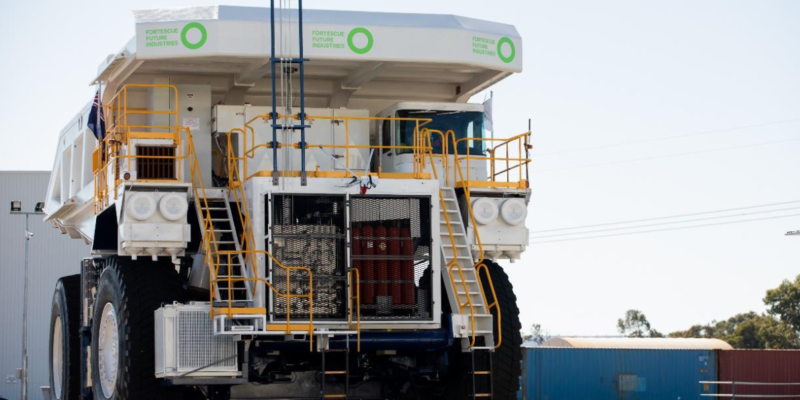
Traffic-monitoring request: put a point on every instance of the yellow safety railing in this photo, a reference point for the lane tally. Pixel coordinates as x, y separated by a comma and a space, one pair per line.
117, 147
418, 147
507, 170
120, 131
479, 265
248, 253
354, 295
454, 265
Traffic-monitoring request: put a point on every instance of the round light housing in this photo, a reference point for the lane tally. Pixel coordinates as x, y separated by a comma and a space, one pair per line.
173, 206
485, 210
141, 206
514, 211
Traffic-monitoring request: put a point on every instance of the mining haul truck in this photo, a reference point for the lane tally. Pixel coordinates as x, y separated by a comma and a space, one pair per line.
291, 204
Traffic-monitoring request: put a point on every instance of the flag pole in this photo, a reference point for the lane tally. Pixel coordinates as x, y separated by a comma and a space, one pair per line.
491, 97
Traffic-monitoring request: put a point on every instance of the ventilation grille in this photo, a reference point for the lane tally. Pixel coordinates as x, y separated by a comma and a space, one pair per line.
155, 168
391, 248
198, 347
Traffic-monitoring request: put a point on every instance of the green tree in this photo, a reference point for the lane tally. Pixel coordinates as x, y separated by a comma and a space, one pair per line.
536, 334
746, 331
784, 302
636, 325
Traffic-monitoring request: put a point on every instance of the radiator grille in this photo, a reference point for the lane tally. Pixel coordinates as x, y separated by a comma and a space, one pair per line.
309, 231
198, 347
391, 248
155, 168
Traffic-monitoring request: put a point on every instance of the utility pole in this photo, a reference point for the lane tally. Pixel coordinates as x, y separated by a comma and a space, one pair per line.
16, 209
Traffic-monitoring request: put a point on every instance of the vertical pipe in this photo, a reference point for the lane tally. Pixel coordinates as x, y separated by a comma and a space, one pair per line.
302, 99
274, 108
25, 310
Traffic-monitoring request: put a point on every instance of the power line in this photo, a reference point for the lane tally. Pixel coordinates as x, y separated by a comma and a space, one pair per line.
662, 157
605, 146
667, 229
668, 217
667, 223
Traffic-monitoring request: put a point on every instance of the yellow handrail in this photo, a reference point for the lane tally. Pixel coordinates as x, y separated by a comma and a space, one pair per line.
418, 149
478, 265
454, 261
357, 298
249, 255
511, 163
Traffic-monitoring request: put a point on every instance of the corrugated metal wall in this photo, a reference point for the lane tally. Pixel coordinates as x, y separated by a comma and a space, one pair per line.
777, 366
52, 255
627, 374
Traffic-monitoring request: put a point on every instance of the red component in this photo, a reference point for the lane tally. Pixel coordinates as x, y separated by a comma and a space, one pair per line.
407, 266
395, 276
368, 250
763, 366
356, 251
381, 271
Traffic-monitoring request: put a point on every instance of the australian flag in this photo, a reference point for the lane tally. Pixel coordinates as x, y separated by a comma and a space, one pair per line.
92, 123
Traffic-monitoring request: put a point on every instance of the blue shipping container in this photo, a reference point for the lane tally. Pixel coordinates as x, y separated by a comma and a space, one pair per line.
551, 373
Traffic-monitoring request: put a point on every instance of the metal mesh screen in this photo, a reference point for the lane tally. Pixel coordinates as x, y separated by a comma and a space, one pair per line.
309, 231
198, 347
391, 248
155, 168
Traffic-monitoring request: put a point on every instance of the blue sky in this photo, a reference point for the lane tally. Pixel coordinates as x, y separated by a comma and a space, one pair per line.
596, 73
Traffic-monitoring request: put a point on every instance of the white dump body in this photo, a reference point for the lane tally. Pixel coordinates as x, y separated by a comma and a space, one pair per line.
220, 55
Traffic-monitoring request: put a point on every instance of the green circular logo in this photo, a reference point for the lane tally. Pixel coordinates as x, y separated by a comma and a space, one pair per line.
203, 35
510, 57
352, 46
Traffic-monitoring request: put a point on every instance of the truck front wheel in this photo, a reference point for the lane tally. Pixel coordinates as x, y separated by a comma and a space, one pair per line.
65, 320
507, 359
123, 333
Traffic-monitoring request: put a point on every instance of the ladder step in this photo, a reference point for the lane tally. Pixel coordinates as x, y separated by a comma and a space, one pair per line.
335, 372
483, 395
334, 396
483, 372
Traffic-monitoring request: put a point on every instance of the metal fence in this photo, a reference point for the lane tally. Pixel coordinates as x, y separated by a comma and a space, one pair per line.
749, 394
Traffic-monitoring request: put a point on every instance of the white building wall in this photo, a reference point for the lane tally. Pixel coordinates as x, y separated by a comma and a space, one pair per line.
52, 255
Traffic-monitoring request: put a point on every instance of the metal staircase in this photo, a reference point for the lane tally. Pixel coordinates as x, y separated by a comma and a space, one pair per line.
234, 286
464, 287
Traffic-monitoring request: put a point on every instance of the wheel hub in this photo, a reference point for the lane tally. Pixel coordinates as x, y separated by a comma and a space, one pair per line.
108, 350
58, 357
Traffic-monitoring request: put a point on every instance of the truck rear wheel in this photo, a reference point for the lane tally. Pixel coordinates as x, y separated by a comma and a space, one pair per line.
123, 332
507, 359
65, 321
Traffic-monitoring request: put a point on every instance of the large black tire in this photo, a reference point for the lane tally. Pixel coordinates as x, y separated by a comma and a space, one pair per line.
506, 360
134, 290
65, 322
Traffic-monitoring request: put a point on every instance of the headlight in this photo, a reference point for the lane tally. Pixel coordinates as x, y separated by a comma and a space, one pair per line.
141, 206
484, 210
514, 211
173, 206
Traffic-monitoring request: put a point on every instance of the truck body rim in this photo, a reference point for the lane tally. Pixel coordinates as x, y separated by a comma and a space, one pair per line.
108, 351
58, 357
